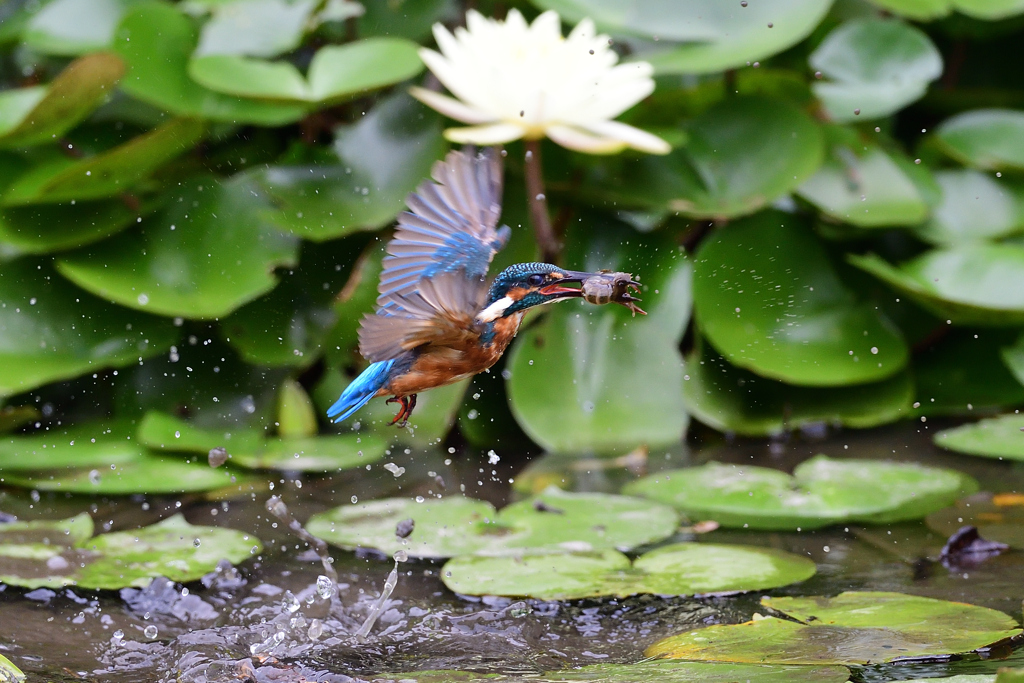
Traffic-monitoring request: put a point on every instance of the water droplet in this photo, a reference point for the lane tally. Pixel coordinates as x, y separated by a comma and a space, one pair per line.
354, 499
117, 637
197, 542
143, 299
324, 587
401, 556
316, 629
94, 477
290, 602
150, 632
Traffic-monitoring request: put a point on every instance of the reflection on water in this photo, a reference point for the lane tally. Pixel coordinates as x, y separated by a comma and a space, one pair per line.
278, 618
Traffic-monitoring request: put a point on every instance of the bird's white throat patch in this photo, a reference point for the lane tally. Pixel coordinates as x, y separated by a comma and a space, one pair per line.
495, 310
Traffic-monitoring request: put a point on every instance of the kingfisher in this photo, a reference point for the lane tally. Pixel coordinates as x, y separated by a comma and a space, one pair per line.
436, 320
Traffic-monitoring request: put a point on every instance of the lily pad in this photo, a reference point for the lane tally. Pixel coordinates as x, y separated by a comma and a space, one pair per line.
107, 174
45, 228
990, 139
382, 158
204, 256
869, 188
730, 399
855, 628
97, 445
593, 378
874, 68
963, 374
998, 517
974, 207
554, 521
50, 330
73, 27
164, 432
258, 28
970, 284
10, 673
821, 491
54, 554
337, 72
678, 569
40, 114
156, 41
998, 437
699, 672
933, 9
767, 298
296, 416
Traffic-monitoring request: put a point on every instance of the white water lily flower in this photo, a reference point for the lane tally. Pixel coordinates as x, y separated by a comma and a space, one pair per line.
515, 80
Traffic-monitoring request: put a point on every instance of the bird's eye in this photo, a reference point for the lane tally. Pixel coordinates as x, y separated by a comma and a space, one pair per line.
535, 280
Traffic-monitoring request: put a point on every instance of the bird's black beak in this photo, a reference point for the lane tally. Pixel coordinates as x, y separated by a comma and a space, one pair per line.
564, 289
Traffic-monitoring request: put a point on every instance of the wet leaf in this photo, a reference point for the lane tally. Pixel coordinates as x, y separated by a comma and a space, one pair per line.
868, 188
700, 672
258, 28
963, 374
96, 444
974, 207
821, 491
678, 569
998, 437
45, 228
998, 517
593, 378
851, 628
47, 112
51, 330
337, 72
970, 284
107, 174
934, 9
165, 432
296, 417
382, 158
73, 27
156, 41
355, 299
61, 553
10, 673
554, 521
204, 256
989, 139
874, 68
410, 19
767, 298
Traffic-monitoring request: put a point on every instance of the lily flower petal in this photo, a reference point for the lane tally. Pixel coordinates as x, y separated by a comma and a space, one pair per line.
633, 137
582, 141
493, 134
450, 107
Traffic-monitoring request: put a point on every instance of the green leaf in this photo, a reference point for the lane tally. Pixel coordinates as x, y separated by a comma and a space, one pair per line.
989, 139
767, 298
869, 188
874, 67
337, 72
355, 299
821, 491
851, 628
85, 445
45, 228
204, 256
732, 400
296, 417
742, 154
990, 10
51, 331
410, 19
678, 569
259, 28
10, 673
61, 553
970, 284
552, 522
165, 432
699, 672
107, 174
921, 10
156, 41
383, 157
148, 474
594, 378
73, 27
42, 114
963, 374
998, 517
974, 207
997, 437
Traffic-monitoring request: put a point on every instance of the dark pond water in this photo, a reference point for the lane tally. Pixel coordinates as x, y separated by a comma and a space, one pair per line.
264, 621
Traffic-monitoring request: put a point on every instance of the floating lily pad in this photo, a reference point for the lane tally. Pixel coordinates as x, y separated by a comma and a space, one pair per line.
61, 553
50, 330
46, 228
156, 41
730, 399
821, 491
86, 445
975, 206
970, 284
337, 72
40, 114
107, 174
258, 28
868, 188
998, 437
933, 9
851, 628
296, 416
207, 254
10, 673
874, 68
678, 569
382, 158
145, 474
164, 432
554, 521
963, 374
593, 378
998, 517
699, 672
73, 27
767, 298
991, 139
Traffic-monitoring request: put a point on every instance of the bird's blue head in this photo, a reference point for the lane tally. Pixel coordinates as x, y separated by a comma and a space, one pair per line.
526, 285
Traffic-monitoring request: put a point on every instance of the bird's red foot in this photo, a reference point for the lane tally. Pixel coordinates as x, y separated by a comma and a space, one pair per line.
408, 403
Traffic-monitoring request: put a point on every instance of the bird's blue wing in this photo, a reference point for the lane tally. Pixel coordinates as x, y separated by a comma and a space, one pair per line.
450, 227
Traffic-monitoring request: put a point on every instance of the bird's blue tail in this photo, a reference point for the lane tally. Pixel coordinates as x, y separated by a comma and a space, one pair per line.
361, 390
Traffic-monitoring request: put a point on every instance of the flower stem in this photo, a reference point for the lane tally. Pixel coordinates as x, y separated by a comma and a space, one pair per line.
549, 246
